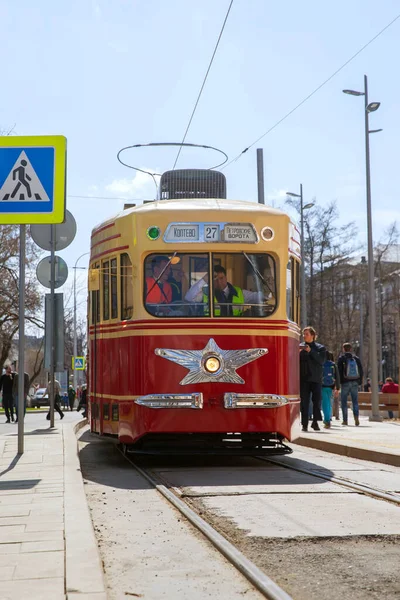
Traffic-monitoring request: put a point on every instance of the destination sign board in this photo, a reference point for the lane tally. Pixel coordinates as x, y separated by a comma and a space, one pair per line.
211, 232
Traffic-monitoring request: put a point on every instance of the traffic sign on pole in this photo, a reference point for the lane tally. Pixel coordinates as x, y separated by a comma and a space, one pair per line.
78, 363
32, 179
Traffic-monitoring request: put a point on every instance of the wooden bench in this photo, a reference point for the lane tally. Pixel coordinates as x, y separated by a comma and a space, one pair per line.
386, 401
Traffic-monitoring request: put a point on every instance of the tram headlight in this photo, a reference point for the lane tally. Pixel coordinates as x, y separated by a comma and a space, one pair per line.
212, 364
267, 234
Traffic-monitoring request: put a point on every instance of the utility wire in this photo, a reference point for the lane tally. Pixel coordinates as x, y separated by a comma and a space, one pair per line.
312, 93
204, 82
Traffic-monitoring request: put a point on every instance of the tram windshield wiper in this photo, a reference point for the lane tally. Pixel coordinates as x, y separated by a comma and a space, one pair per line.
162, 273
257, 272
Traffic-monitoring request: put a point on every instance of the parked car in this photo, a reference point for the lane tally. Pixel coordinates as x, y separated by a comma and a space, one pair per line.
40, 398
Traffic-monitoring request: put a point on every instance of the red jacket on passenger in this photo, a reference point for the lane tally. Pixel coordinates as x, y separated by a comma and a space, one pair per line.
158, 293
390, 388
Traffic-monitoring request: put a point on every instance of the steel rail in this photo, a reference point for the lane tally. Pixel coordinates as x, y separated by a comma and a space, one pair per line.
358, 487
260, 580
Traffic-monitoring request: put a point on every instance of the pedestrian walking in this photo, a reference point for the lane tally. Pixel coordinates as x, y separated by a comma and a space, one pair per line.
330, 388
57, 398
71, 397
83, 402
312, 358
351, 374
65, 402
15, 393
390, 387
6, 384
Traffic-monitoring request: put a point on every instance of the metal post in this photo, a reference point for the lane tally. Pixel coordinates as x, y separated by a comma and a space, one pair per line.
380, 349
21, 341
260, 175
52, 328
371, 274
75, 338
361, 329
303, 317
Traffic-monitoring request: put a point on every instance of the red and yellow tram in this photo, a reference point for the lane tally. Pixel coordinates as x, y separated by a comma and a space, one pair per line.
193, 323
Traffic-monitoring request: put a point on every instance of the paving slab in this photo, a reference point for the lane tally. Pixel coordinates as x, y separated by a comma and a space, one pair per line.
310, 515
373, 441
34, 528
265, 480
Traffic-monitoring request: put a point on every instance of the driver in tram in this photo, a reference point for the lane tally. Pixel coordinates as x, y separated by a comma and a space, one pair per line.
158, 290
230, 299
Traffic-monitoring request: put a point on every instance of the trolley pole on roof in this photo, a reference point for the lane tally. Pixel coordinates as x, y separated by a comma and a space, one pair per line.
260, 175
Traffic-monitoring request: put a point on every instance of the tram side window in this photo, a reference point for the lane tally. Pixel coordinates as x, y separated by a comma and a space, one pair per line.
106, 290
244, 284
289, 290
95, 302
126, 287
114, 288
297, 292
292, 290
172, 282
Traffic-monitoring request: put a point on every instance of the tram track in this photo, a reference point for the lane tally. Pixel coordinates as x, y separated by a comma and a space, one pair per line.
264, 584
376, 493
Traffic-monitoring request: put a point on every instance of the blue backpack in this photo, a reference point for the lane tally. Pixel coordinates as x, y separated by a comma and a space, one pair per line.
351, 372
328, 375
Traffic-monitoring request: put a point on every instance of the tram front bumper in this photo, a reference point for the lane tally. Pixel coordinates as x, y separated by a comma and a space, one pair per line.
195, 400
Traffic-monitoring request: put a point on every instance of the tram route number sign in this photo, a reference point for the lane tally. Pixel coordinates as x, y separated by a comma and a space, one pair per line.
210, 232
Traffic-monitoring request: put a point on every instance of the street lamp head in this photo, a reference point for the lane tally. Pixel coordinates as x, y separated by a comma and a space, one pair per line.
353, 93
309, 205
373, 106
375, 130
293, 195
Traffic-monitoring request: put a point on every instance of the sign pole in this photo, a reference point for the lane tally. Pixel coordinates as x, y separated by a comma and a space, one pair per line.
21, 341
52, 328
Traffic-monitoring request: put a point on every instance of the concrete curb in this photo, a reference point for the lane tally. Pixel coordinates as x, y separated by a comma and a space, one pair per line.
350, 451
83, 568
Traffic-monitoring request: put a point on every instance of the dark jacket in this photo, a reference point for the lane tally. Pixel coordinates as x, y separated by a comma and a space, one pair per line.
6, 383
311, 363
342, 368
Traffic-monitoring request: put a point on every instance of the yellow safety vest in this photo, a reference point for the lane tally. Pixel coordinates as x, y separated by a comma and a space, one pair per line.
238, 299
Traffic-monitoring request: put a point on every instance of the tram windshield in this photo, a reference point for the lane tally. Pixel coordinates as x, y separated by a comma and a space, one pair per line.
178, 285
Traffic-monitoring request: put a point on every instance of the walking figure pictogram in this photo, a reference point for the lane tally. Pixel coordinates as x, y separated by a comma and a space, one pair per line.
22, 179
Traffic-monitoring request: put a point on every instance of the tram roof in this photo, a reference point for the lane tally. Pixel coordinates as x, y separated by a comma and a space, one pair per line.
200, 205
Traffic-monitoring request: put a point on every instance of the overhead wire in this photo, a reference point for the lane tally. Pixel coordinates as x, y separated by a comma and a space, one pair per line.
204, 82
312, 93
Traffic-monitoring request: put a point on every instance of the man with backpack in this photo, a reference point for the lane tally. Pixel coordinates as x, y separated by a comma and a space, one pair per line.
351, 374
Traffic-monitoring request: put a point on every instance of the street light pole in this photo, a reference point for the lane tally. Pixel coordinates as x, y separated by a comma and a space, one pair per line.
75, 337
370, 107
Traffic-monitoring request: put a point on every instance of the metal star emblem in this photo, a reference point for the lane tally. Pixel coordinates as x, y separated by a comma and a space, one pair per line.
194, 361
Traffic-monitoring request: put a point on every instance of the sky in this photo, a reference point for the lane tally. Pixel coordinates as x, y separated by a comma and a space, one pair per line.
111, 73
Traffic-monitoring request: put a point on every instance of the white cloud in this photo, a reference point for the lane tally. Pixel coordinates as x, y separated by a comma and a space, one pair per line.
139, 187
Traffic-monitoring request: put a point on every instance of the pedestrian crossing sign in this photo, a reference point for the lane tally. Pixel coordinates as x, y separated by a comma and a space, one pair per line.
32, 179
78, 363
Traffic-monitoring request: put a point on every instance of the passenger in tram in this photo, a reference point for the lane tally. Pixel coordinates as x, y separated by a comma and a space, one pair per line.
158, 290
175, 281
229, 298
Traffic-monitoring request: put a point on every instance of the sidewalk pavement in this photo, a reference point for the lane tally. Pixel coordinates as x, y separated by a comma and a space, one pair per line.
374, 441
47, 544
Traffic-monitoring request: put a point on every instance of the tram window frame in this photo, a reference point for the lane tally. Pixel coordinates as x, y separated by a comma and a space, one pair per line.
105, 267
297, 291
114, 412
95, 303
126, 287
114, 288
289, 290
106, 412
176, 309
261, 310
